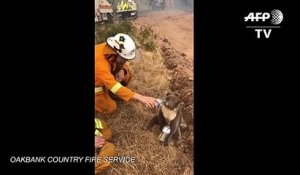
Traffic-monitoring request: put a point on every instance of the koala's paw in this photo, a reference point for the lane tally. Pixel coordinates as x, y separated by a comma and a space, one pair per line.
166, 144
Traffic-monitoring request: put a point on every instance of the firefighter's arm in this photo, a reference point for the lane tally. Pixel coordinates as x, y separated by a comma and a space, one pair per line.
113, 85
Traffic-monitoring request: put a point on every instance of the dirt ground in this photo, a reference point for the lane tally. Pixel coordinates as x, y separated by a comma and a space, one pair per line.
170, 69
174, 25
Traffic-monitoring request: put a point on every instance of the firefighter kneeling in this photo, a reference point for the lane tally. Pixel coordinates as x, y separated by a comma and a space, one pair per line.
112, 73
103, 148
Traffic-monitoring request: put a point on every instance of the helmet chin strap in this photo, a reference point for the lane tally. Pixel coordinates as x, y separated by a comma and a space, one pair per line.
119, 50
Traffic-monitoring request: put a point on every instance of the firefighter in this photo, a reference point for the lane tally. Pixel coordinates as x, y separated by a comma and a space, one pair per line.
103, 148
112, 73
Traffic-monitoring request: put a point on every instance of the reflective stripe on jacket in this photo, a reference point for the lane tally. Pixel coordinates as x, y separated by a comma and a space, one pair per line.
98, 126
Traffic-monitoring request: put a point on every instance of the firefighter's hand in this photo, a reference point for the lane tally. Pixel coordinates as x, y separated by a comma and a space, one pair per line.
99, 141
148, 101
120, 76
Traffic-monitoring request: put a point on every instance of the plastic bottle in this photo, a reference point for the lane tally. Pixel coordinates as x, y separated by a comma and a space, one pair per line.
164, 132
159, 103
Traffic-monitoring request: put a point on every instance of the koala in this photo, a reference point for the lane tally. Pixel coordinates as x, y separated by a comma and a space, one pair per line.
169, 114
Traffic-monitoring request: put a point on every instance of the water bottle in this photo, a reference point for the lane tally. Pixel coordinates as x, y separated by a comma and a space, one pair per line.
164, 132
159, 103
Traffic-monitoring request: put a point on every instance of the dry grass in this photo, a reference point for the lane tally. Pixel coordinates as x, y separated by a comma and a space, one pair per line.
152, 158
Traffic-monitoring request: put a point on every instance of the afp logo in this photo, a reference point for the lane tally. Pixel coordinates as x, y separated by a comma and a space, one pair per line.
267, 21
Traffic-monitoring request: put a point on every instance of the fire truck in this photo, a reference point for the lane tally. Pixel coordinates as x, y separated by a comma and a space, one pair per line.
103, 11
127, 9
106, 10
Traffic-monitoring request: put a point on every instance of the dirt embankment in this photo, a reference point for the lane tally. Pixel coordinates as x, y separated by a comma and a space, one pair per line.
175, 41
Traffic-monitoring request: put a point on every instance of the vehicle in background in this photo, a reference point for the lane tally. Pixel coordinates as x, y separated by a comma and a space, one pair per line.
106, 10
103, 11
127, 9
